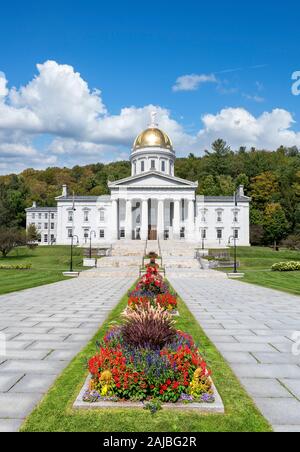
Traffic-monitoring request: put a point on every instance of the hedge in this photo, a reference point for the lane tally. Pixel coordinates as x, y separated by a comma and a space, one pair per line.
286, 267
15, 267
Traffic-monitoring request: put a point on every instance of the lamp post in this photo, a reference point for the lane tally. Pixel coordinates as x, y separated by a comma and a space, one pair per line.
72, 242
235, 252
92, 233
234, 237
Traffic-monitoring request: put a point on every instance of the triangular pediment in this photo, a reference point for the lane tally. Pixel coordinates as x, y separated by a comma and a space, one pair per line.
152, 179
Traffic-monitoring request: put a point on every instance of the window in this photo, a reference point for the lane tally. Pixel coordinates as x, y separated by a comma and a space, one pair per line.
219, 216
46, 226
122, 233
46, 238
235, 217
70, 216
102, 234
134, 168
163, 166
219, 234
171, 169
52, 216
33, 216
46, 216
39, 225
52, 226
40, 216
86, 215
86, 233
182, 233
236, 234
52, 238
142, 166
153, 164
203, 234
102, 215
70, 233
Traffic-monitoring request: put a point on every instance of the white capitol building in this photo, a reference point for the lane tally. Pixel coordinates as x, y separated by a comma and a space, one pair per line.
153, 203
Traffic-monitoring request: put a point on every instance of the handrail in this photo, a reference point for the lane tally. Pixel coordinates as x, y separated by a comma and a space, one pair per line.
159, 251
145, 253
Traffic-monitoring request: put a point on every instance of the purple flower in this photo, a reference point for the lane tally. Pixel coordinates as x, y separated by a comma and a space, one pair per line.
207, 398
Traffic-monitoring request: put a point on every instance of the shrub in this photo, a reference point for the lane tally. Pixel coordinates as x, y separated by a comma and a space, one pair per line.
15, 267
148, 327
286, 267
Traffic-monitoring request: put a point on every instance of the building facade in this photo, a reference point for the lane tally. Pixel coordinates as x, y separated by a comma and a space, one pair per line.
152, 203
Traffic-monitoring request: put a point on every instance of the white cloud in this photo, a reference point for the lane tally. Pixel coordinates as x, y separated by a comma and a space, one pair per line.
254, 98
240, 128
3, 88
69, 120
193, 81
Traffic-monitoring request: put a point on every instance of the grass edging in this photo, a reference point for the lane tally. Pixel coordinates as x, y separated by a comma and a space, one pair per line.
55, 412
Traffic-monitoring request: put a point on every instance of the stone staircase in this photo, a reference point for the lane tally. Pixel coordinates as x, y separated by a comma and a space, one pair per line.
126, 258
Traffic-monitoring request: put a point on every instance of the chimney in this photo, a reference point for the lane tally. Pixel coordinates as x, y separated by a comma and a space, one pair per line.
34, 205
241, 191
64, 191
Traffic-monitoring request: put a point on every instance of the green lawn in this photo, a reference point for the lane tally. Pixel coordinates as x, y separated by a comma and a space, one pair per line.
256, 263
48, 263
55, 412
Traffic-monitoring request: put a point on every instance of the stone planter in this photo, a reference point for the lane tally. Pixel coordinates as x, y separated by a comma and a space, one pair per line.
217, 407
71, 274
89, 262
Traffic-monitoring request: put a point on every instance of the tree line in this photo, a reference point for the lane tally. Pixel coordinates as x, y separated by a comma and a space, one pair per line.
271, 179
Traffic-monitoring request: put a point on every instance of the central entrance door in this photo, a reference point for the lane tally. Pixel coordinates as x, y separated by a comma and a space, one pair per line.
152, 217
152, 233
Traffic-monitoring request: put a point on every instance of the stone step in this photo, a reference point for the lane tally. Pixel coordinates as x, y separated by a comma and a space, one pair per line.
119, 261
111, 273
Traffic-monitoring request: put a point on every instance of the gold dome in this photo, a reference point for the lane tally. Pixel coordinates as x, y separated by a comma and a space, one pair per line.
153, 137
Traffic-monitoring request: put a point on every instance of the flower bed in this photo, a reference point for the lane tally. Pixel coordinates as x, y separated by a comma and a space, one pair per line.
15, 267
145, 358
169, 368
153, 289
286, 267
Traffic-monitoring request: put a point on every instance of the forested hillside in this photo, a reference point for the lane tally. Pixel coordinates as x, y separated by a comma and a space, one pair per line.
272, 179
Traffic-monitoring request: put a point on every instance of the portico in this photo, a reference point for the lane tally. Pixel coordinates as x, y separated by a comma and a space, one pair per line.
151, 206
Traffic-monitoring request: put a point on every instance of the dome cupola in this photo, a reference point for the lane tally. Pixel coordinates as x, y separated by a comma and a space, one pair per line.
152, 151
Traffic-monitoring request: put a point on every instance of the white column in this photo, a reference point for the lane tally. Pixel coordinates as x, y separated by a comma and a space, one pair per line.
191, 220
145, 220
176, 220
160, 218
114, 220
128, 220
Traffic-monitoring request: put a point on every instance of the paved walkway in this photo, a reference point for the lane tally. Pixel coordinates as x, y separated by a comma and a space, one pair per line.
252, 327
45, 328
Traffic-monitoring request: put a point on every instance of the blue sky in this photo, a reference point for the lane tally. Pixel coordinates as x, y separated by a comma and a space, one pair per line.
133, 52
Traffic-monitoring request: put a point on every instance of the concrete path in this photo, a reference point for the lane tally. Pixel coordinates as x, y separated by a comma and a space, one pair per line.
44, 329
253, 328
